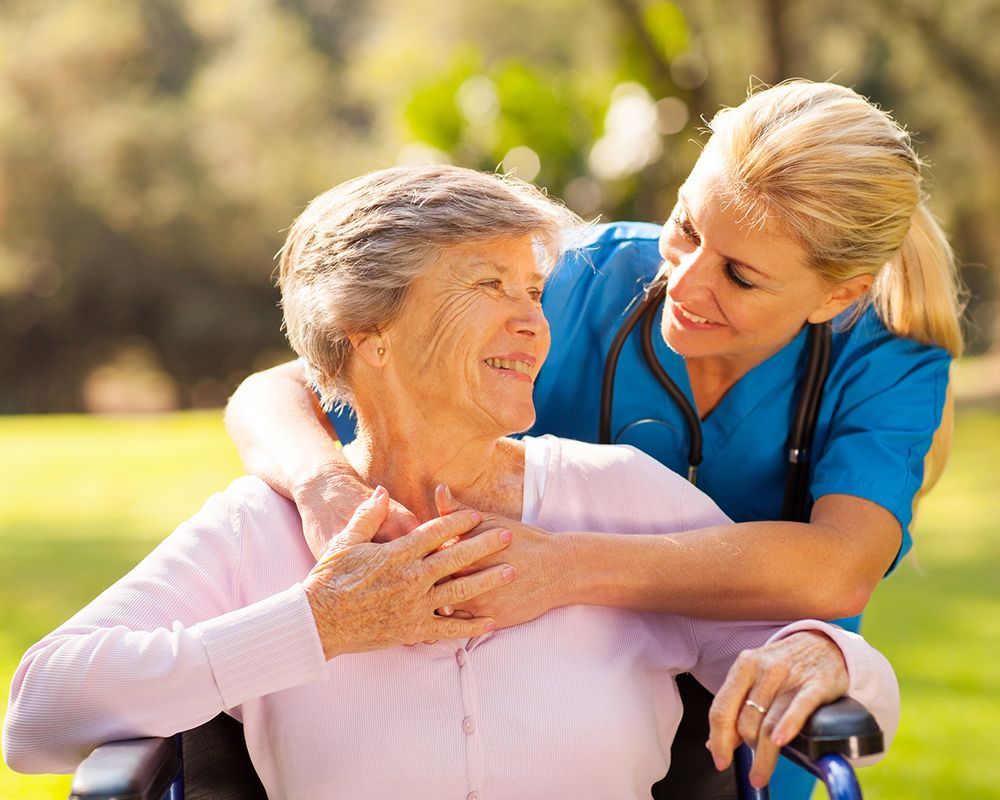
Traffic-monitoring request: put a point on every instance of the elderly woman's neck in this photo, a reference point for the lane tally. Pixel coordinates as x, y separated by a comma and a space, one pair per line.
486, 474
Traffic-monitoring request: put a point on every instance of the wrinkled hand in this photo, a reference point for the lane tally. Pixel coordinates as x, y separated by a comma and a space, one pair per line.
539, 586
366, 596
327, 501
789, 678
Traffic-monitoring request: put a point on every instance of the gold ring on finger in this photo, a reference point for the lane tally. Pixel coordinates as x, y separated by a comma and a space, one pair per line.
755, 706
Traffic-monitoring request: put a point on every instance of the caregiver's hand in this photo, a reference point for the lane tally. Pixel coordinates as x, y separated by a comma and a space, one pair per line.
327, 500
769, 694
532, 553
366, 596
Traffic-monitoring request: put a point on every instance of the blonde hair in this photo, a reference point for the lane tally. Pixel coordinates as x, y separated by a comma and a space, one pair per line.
841, 178
351, 256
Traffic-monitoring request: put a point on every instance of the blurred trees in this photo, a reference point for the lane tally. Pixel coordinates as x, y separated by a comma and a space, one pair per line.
151, 153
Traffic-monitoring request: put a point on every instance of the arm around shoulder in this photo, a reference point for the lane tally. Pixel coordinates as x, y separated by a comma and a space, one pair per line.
284, 438
280, 431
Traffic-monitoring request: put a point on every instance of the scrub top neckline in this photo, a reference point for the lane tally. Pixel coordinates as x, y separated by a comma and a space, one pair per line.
743, 397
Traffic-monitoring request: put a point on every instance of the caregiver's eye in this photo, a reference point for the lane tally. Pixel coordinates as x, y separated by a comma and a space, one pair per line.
736, 279
683, 224
535, 294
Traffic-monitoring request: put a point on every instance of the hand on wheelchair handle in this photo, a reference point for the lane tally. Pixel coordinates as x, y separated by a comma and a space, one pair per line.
367, 596
769, 694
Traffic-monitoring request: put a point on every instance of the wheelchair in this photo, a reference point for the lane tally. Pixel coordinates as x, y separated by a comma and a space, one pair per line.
211, 762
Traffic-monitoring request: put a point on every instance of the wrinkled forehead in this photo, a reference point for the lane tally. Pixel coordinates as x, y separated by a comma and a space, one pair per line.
524, 258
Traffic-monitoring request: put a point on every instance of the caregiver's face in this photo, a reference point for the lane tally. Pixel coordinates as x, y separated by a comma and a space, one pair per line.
472, 338
734, 291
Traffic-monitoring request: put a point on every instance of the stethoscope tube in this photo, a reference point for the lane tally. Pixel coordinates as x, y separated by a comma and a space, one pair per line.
651, 300
796, 501
795, 504
688, 410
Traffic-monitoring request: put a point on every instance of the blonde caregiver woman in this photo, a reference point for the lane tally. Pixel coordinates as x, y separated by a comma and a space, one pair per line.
806, 206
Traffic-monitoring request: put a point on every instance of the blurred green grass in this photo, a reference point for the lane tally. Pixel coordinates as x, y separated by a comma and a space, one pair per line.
82, 499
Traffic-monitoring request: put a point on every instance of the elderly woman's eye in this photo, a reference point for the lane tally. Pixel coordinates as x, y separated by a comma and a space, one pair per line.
495, 284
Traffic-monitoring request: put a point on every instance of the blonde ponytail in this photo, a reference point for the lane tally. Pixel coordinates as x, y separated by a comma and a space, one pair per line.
918, 295
917, 292
842, 179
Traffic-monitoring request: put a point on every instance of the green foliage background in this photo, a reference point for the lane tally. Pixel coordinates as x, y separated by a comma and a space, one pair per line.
152, 152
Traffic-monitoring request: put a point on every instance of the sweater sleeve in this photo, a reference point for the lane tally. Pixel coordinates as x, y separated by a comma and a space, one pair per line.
164, 649
872, 681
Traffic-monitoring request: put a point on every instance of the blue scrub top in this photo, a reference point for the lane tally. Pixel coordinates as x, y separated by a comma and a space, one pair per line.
881, 404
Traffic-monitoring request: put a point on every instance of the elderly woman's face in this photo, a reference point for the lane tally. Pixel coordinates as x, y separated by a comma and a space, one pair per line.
472, 338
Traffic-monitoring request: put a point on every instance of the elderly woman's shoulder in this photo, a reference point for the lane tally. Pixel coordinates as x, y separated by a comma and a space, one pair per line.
621, 489
613, 459
249, 500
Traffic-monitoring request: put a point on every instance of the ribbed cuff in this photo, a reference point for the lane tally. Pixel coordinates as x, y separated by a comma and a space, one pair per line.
264, 648
858, 657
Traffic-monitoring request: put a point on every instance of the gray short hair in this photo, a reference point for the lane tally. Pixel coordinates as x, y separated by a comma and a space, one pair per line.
351, 256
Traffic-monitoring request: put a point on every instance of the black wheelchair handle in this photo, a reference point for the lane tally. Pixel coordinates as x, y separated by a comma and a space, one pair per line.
844, 727
134, 769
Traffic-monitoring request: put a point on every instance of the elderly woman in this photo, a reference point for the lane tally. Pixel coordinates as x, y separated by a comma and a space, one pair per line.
414, 294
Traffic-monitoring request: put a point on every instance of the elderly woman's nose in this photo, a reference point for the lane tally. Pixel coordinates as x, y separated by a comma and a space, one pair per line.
528, 319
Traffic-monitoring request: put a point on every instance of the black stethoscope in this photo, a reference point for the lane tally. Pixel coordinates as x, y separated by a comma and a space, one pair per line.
795, 506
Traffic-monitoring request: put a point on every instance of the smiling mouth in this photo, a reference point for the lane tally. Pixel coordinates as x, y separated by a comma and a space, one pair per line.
521, 367
693, 317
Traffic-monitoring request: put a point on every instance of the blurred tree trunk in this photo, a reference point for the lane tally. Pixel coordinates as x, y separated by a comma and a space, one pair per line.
775, 14
974, 81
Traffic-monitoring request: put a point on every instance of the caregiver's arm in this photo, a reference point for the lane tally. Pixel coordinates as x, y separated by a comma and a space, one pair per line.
826, 568
285, 440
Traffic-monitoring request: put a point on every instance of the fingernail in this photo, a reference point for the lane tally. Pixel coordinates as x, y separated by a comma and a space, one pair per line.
508, 574
506, 536
720, 764
447, 491
491, 626
477, 517
379, 492
778, 737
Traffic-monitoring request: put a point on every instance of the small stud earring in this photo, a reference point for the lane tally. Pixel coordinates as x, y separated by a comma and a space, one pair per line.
380, 351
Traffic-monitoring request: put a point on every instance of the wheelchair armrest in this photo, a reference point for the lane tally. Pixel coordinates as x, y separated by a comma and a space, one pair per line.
844, 727
133, 769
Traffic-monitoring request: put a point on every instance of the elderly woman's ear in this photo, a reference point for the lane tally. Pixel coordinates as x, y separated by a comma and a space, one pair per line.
371, 347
